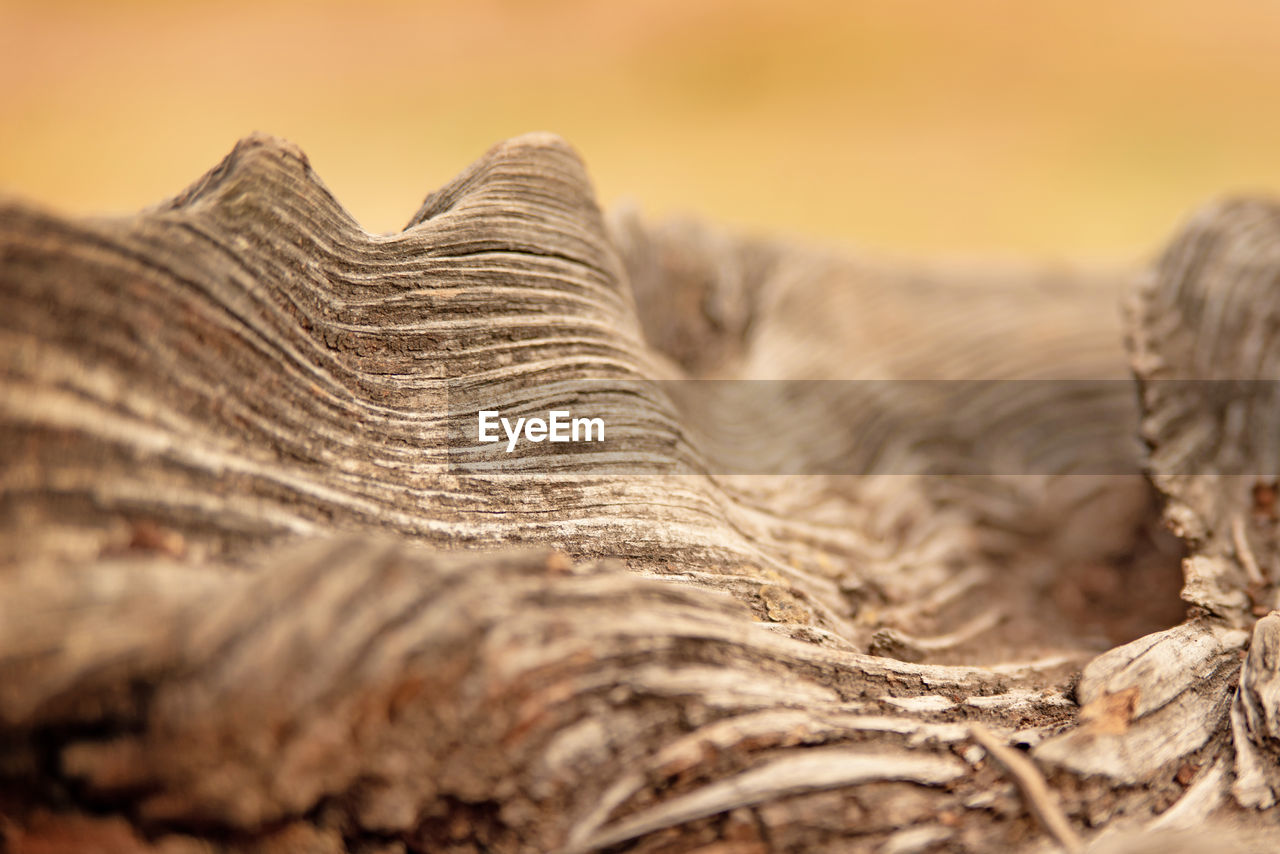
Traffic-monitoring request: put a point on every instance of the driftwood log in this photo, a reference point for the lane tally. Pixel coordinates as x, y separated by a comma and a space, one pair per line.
257, 594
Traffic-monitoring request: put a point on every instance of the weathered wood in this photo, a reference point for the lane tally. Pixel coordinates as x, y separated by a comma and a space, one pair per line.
250, 601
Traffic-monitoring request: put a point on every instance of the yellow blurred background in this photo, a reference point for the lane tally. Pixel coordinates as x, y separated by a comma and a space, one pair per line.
1082, 129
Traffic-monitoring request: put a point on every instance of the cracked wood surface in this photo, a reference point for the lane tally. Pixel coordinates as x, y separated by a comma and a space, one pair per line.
250, 602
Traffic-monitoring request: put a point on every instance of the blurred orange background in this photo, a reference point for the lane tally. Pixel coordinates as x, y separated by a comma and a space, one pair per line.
1081, 129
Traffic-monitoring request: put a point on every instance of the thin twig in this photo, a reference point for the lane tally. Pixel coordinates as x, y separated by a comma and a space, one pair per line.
1033, 787
1245, 552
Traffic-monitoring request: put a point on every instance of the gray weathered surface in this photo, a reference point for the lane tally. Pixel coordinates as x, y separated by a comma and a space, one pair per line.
247, 604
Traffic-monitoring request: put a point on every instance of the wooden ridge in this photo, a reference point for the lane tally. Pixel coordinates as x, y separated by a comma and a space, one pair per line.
250, 600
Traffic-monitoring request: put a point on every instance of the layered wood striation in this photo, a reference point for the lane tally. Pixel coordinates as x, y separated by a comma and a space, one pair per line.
251, 599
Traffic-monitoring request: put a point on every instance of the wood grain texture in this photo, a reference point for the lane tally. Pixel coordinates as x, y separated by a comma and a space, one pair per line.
249, 600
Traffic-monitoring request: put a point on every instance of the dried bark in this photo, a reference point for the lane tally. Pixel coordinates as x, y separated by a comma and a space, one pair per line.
249, 602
